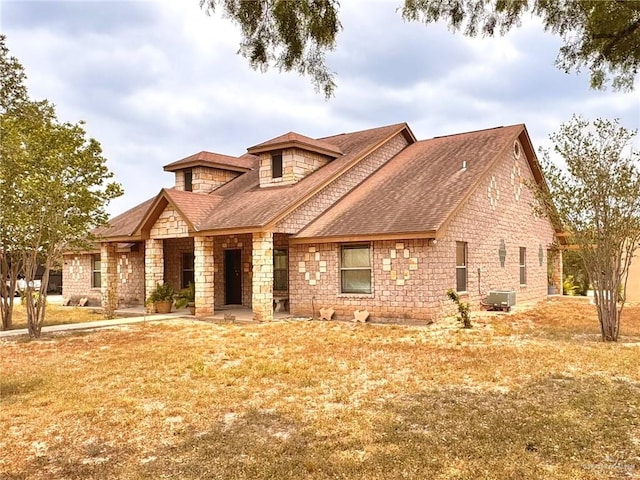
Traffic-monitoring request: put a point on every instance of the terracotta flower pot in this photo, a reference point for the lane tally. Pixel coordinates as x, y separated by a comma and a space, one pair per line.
163, 307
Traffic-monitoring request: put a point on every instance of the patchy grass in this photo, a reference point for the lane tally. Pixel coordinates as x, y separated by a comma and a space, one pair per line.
56, 315
531, 395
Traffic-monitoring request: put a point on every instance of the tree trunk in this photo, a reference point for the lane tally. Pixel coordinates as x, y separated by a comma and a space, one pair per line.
9, 275
608, 314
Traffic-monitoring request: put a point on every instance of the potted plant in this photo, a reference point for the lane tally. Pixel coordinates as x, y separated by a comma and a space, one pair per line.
187, 298
162, 298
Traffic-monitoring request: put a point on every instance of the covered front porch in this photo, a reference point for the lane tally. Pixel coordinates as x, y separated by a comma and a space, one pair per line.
234, 271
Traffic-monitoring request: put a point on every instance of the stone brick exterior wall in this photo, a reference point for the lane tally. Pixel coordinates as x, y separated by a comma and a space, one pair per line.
410, 277
205, 179
313, 207
169, 225
204, 275
173, 250
296, 164
77, 274
262, 278
129, 270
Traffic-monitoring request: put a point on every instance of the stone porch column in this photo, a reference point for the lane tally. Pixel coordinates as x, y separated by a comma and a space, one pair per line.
109, 277
153, 265
203, 265
262, 291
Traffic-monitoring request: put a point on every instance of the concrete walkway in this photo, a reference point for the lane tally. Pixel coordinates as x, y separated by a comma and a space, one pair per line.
96, 324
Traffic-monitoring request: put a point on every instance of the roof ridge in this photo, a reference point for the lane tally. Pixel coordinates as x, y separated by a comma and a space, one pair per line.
474, 131
364, 130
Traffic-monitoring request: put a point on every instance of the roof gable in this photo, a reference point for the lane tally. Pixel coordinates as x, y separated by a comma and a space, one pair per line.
419, 189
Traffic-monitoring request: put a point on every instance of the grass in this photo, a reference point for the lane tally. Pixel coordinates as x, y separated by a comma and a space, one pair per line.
55, 315
530, 395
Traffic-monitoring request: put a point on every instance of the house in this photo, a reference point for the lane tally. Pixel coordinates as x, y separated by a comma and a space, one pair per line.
373, 219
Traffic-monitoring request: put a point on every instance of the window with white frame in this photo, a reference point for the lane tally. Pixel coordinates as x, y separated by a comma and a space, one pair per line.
96, 271
523, 266
461, 266
355, 268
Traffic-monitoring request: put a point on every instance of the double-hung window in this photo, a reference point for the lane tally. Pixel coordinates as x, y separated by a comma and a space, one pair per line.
461, 266
523, 266
96, 271
187, 269
280, 269
355, 268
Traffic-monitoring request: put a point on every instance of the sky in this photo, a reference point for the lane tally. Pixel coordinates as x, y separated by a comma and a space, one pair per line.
156, 81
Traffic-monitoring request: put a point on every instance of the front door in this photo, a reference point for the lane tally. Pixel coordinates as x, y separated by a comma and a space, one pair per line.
233, 277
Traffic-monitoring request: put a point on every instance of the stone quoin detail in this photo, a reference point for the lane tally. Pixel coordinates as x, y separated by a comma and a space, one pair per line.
399, 264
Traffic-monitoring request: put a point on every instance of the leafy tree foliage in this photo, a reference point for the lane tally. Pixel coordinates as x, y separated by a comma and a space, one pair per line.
54, 186
601, 35
293, 36
597, 200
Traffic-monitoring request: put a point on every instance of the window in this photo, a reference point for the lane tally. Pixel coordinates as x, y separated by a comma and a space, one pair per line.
96, 271
355, 269
188, 181
187, 269
280, 270
276, 165
523, 266
461, 266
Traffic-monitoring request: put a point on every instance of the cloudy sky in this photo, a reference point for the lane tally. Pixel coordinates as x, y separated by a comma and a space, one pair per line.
156, 81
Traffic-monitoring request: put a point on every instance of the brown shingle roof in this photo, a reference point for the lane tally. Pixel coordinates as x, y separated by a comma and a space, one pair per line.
124, 225
215, 160
419, 189
247, 205
296, 140
241, 203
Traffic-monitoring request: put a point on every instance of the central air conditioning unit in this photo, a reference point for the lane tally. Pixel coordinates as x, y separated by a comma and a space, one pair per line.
501, 299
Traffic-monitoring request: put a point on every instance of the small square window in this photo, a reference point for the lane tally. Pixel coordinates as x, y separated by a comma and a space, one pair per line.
276, 165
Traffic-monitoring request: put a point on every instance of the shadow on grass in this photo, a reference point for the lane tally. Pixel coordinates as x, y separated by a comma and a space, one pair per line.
556, 427
12, 388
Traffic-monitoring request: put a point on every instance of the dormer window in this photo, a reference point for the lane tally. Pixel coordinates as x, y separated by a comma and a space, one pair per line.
188, 181
276, 164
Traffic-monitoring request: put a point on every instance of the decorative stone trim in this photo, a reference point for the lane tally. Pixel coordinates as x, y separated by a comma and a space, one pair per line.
405, 263
312, 266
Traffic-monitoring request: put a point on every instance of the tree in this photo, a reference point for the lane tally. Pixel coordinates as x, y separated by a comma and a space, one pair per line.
13, 96
596, 199
602, 35
54, 186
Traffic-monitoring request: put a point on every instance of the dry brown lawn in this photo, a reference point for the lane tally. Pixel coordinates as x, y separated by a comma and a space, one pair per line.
56, 315
533, 395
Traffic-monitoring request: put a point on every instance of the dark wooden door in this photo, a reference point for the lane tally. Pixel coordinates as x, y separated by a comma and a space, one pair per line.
233, 277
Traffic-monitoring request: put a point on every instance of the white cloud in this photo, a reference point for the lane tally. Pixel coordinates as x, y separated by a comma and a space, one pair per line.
159, 80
